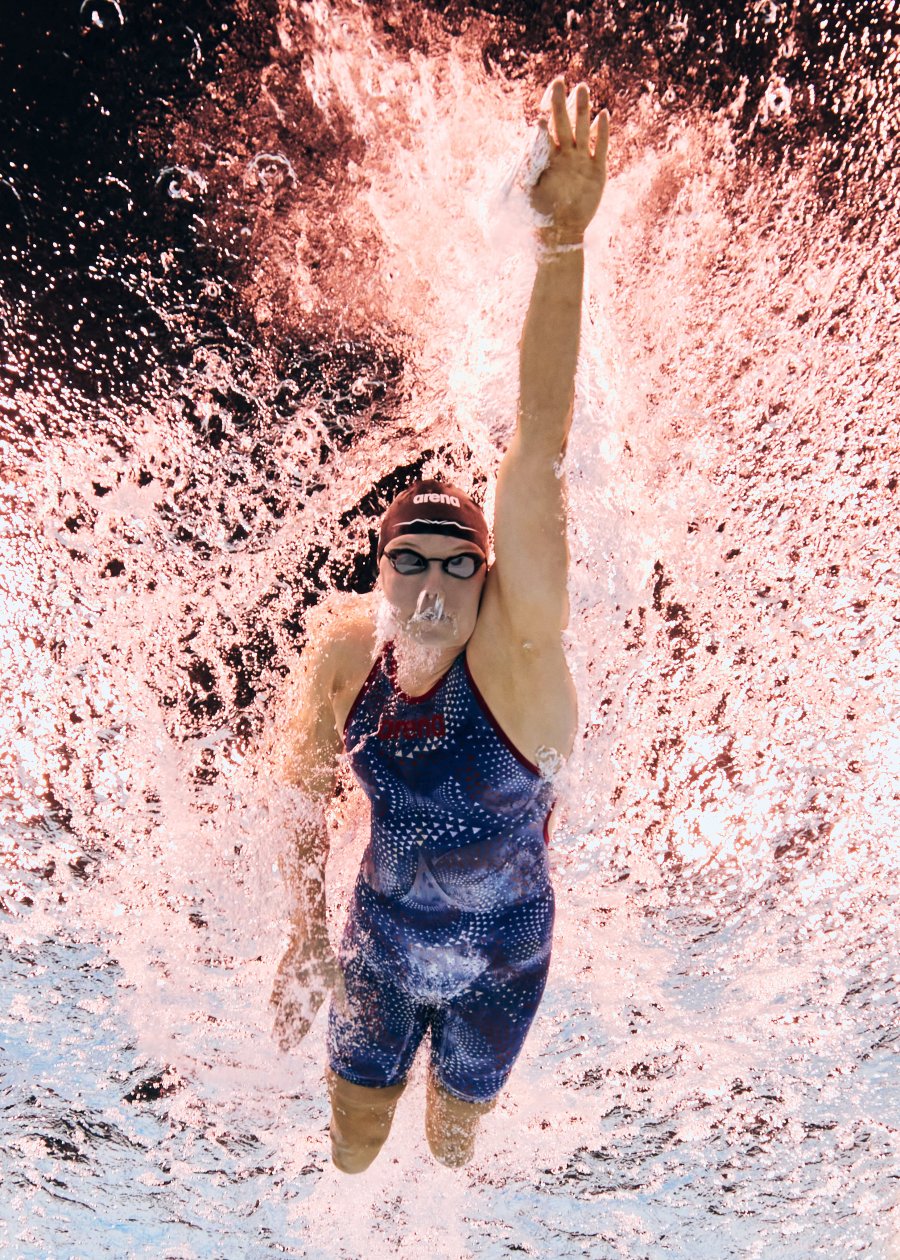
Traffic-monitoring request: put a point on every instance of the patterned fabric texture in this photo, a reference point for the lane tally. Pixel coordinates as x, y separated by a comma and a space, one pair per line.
451, 921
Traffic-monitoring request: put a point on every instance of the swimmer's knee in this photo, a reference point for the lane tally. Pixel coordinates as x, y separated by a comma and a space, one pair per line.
373, 1101
353, 1159
452, 1144
451, 1124
450, 1155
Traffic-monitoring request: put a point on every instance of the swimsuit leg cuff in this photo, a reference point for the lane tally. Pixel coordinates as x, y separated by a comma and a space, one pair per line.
355, 1079
485, 1095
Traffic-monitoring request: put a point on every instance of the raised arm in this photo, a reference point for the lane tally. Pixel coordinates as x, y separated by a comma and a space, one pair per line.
529, 519
566, 197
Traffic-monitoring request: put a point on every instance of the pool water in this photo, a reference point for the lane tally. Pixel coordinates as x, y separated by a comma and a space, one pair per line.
259, 270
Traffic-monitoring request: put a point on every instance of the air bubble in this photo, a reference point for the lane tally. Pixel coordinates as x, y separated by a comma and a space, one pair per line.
777, 100
102, 15
271, 173
181, 183
549, 761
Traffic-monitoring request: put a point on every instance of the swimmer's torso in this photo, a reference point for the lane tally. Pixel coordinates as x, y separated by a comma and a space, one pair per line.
455, 876
459, 816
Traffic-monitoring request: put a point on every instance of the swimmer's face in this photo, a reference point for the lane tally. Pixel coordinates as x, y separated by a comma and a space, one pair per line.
433, 607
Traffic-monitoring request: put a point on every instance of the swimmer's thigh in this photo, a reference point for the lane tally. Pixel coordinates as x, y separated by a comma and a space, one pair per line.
374, 1027
476, 1038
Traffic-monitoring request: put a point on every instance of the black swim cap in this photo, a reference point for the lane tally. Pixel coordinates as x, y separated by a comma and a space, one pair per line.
434, 507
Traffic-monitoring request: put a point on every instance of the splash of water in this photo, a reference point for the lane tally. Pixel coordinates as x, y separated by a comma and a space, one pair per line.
711, 1070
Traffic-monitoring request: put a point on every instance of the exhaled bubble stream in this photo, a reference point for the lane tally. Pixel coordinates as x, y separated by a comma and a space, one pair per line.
322, 298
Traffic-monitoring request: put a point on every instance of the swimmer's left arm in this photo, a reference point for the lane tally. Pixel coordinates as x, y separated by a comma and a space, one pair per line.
530, 513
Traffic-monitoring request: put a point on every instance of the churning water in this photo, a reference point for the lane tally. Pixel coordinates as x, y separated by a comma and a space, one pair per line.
259, 267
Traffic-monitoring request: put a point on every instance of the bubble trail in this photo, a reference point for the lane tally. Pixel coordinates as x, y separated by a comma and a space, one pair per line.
429, 607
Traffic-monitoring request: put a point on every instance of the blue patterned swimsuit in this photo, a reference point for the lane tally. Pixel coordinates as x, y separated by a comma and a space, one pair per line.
451, 920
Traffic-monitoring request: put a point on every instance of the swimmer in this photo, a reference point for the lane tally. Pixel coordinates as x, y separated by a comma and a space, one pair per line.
450, 706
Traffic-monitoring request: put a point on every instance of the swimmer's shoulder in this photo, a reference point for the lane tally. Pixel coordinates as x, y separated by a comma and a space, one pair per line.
355, 642
341, 639
316, 696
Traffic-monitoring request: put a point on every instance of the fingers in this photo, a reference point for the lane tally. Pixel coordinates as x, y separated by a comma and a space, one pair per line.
600, 137
287, 1035
586, 135
561, 124
299, 990
294, 1017
582, 116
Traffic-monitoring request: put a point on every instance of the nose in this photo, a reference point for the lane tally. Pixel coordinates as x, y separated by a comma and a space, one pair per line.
433, 579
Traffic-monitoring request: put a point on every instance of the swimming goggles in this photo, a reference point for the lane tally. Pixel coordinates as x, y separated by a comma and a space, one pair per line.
410, 563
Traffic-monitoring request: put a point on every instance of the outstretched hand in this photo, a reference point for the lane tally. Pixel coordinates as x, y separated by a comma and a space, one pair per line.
306, 975
568, 190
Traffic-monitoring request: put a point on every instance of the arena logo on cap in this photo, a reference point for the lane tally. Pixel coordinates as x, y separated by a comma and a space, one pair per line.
449, 499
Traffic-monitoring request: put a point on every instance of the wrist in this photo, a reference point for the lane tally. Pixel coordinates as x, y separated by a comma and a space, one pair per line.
556, 240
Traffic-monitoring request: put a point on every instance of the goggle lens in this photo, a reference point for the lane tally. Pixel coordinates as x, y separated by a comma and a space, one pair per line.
409, 563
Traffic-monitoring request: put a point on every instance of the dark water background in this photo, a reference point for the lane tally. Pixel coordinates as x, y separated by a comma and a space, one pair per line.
256, 273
